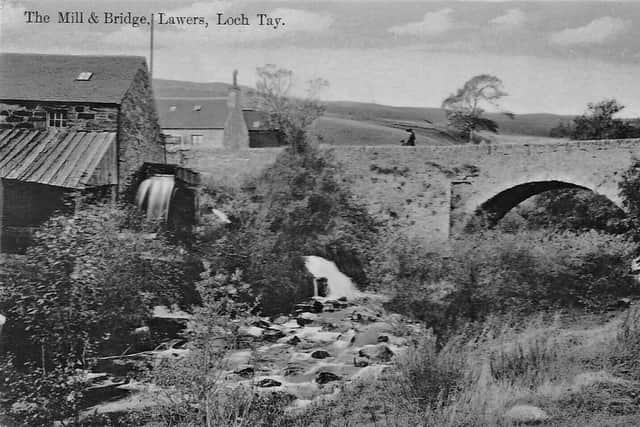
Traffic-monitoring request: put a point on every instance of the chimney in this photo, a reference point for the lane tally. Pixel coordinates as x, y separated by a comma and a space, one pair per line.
236, 134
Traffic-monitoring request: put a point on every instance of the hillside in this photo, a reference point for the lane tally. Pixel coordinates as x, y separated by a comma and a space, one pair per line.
348, 122
538, 124
182, 89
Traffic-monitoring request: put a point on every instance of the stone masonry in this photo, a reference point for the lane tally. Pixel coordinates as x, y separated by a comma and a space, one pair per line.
140, 138
432, 192
35, 115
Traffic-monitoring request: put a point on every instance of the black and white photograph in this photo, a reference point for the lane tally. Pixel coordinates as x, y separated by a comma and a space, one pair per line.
318, 213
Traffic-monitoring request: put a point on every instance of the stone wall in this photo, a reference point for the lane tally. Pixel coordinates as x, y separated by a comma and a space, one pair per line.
35, 115
413, 197
431, 192
477, 173
211, 138
139, 135
222, 167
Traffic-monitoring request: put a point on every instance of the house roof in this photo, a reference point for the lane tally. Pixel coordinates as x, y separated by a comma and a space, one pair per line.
182, 113
39, 77
58, 157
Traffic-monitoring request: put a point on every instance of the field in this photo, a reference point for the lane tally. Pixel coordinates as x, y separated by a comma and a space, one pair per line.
358, 123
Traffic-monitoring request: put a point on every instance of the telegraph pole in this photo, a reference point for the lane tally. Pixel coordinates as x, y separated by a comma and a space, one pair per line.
151, 49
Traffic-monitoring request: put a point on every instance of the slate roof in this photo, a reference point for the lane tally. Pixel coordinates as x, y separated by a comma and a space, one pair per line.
58, 157
212, 114
39, 77
179, 113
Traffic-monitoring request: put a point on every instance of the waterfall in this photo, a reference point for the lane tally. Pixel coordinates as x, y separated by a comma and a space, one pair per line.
154, 196
221, 216
339, 284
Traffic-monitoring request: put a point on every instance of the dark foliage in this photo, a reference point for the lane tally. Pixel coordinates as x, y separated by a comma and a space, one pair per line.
562, 130
498, 273
86, 283
295, 208
572, 210
598, 123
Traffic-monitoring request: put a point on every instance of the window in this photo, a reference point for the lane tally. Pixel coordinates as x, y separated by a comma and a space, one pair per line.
84, 76
58, 119
196, 139
173, 139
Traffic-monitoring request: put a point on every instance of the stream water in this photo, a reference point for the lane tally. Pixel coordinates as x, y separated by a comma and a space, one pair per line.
339, 284
154, 196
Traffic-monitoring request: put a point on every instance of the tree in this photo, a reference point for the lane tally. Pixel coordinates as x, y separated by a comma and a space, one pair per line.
598, 122
291, 115
85, 284
465, 110
562, 130
298, 206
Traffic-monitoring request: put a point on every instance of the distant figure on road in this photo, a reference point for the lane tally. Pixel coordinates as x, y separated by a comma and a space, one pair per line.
411, 142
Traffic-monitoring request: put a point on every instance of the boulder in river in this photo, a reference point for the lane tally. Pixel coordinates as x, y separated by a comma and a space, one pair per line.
526, 414
320, 354
268, 382
378, 353
325, 377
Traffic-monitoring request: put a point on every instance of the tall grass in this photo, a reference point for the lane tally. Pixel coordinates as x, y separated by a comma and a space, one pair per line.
625, 356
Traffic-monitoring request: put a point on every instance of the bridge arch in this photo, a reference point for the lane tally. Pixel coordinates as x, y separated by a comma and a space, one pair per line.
494, 207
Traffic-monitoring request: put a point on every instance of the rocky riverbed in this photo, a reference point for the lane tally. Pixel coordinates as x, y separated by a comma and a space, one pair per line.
325, 345
310, 355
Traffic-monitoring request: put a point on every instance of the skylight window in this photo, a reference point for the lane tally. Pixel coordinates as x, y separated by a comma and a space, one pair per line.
197, 107
84, 76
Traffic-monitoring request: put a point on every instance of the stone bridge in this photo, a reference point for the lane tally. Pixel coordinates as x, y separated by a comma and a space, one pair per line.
434, 191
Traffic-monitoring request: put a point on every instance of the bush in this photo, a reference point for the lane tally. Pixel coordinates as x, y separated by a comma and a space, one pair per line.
598, 122
295, 208
190, 390
520, 273
86, 283
433, 377
573, 210
35, 396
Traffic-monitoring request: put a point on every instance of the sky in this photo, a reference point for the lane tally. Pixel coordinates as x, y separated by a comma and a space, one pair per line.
552, 56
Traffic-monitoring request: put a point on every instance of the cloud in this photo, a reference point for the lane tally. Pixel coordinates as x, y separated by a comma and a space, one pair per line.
295, 22
304, 21
201, 8
512, 19
597, 31
11, 15
432, 24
